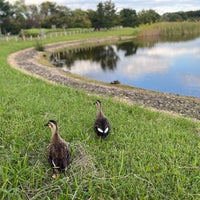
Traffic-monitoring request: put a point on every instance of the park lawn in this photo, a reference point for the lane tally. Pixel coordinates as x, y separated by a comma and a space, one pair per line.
148, 155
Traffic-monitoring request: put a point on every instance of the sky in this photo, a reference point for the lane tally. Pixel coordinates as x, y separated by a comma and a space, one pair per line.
160, 6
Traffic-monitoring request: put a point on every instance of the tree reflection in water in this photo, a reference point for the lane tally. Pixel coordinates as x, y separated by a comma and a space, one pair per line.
106, 55
129, 48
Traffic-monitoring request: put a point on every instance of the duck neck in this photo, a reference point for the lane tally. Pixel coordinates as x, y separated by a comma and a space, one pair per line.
100, 113
99, 108
55, 135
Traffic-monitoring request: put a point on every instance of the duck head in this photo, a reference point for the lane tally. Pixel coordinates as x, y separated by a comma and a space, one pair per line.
98, 103
52, 124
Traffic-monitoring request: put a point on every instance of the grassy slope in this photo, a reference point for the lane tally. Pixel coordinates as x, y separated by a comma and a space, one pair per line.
148, 155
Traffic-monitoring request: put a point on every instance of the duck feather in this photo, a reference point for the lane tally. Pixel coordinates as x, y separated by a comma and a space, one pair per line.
101, 124
58, 151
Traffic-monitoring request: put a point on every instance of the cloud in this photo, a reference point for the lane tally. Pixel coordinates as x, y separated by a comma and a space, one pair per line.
84, 67
160, 6
142, 66
147, 61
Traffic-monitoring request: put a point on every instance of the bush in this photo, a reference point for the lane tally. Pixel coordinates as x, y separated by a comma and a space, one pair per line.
39, 46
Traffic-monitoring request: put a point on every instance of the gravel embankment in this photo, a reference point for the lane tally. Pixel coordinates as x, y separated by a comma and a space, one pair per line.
26, 61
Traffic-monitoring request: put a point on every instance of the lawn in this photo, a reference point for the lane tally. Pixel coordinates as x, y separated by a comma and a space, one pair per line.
148, 155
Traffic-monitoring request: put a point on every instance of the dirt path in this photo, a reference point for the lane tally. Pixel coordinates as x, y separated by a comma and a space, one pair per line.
26, 61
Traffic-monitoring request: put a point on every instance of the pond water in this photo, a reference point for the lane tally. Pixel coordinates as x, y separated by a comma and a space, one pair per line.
172, 67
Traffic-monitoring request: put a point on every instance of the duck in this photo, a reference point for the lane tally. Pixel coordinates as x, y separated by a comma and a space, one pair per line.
58, 151
101, 123
115, 82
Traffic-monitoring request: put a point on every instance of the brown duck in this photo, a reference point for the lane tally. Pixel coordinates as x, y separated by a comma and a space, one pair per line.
58, 152
101, 124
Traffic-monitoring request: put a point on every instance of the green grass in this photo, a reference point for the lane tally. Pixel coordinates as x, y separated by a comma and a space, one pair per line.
148, 155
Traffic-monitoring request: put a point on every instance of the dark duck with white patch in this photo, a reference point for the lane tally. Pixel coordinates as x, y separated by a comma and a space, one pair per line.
101, 124
58, 152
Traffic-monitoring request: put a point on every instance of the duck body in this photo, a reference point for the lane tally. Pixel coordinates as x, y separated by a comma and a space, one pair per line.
58, 151
58, 155
101, 124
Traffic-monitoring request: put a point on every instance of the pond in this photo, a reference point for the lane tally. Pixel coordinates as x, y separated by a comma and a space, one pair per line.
172, 67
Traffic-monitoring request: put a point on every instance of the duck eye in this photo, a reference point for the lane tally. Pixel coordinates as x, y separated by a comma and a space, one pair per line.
50, 125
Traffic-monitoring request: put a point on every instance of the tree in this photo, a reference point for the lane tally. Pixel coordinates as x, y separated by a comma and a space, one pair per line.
47, 8
33, 15
128, 17
47, 11
53, 14
4, 9
63, 15
182, 16
100, 18
92, 15
175, 17
80, 19
18, 19
4, 14
105, 14
148, 16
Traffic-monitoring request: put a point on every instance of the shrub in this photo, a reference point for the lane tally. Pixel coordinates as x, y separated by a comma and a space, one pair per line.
39, 46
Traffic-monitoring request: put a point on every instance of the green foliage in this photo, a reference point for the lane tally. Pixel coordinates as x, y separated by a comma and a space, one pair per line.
182, 16
37, 32
148, 155
105, 14
31, 32
39, 46
4, 9
148, 17
128, 18
80, 19
4, 13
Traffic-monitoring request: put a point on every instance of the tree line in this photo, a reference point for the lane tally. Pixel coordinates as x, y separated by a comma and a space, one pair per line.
17, 16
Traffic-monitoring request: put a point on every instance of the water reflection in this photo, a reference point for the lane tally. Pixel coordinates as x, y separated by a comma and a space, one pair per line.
104, 55
162, 66
129, 48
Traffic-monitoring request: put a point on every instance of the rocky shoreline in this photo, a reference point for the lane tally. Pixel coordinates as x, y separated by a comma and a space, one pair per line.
26, 61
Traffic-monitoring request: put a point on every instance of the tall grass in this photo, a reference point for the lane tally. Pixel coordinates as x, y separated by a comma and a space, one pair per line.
148, 155
171, 29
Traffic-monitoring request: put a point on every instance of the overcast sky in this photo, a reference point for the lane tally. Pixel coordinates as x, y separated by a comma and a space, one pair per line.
160, 6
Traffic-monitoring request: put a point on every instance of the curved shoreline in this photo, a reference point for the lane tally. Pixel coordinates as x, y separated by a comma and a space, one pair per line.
26, 61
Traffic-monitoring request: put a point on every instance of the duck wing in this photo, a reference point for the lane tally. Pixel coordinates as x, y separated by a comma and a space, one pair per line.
59, 156
102, 127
